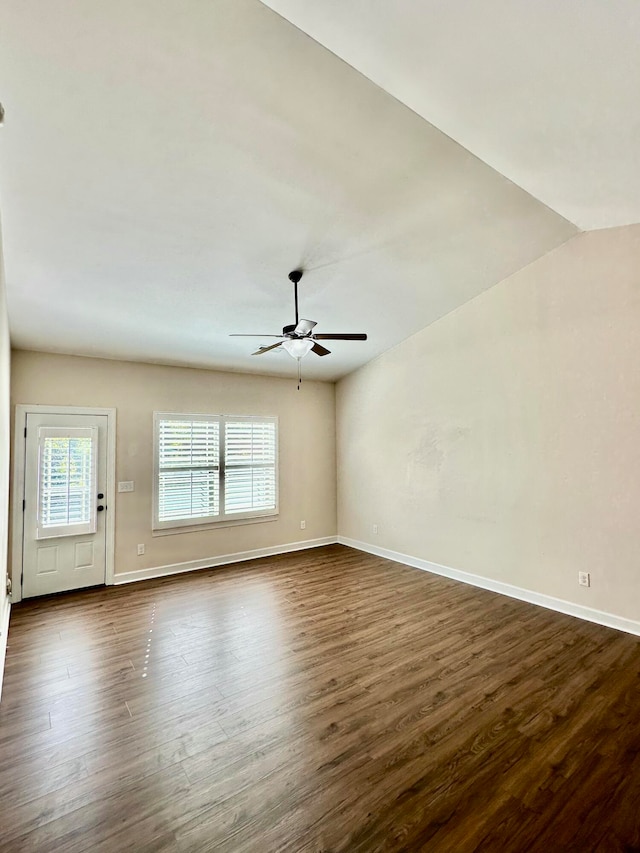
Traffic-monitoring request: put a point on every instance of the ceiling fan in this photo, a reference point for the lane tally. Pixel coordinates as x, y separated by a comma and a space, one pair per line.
298, 338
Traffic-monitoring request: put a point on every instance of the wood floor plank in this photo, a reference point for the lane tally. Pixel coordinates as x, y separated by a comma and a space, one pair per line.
318, 701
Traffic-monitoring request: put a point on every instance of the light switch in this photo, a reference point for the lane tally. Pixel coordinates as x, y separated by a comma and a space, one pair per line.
125, 486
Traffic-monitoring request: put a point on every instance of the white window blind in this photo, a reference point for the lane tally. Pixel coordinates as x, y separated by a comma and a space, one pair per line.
250, 475
212, 468
66, 481
188, 470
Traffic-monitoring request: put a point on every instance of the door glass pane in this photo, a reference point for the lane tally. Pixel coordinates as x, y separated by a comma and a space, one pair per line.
66, 482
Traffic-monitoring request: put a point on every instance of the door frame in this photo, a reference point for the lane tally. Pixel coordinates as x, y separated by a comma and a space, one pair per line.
17, 525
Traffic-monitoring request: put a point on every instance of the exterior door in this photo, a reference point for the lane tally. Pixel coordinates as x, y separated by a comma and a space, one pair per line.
65, 491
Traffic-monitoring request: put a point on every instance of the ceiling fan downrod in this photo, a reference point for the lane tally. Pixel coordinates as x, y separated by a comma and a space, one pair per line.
295, 276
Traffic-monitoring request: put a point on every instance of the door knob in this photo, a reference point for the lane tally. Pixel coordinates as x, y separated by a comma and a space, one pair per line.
100, 508
100, 496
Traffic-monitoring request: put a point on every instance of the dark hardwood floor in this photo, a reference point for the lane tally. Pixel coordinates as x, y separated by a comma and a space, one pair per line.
320, 701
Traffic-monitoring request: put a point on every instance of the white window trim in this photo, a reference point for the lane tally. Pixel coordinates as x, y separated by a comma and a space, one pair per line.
221, 520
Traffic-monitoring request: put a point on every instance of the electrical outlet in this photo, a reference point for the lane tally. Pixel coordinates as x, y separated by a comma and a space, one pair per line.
584, 578
374, 528
125, 486
140, 550
303, 525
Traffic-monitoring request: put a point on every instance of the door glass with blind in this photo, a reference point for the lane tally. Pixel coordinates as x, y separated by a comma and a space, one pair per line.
213, 468
67, 486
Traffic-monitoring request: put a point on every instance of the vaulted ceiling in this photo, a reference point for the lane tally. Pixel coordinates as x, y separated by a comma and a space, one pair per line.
164, 164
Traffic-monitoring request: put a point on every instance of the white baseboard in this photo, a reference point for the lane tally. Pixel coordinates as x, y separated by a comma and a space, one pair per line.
620, 623
4, 634
224, 560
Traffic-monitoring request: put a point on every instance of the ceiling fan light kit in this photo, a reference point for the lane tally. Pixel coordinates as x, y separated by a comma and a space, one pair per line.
298, 338
297, 347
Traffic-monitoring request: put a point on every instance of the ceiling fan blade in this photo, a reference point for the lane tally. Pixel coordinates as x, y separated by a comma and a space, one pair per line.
303, 327
262, 350
341, 337
249, 335
320, 350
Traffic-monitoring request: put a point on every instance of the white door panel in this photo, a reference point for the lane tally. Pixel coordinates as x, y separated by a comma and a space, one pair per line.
64, 515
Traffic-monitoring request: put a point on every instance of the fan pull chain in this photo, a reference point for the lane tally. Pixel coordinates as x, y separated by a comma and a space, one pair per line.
299, 360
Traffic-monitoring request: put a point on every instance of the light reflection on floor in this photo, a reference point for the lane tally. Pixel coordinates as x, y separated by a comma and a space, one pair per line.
231, 640
148, 651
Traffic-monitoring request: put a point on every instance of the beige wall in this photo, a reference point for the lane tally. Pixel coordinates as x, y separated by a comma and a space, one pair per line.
504, 440
306, 433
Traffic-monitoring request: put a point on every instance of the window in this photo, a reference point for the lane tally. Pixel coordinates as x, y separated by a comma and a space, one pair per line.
212, 468
66, 481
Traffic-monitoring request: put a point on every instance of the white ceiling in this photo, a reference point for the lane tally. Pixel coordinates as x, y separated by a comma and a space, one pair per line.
545, 92
165, 163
